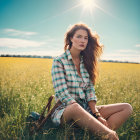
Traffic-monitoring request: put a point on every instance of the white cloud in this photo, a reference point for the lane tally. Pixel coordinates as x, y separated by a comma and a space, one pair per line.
15, 32
137, 45
40, 53
18, 43
129, 51
121, 58
123, 55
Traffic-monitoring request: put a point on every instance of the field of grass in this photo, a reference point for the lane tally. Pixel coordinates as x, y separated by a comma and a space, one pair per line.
25, 85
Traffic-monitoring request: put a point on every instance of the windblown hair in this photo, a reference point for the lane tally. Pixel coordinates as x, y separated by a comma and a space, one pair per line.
92, 52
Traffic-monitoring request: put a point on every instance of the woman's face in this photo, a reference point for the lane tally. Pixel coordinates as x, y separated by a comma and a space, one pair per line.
80, 40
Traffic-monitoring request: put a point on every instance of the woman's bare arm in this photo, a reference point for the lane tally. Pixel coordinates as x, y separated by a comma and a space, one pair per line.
92, 105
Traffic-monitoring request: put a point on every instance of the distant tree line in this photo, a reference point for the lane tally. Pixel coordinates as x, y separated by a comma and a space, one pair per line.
37, 56
116, 61
29, 56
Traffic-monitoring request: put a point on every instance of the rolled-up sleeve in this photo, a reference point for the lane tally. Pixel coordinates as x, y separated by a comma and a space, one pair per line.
90, 92
59, 83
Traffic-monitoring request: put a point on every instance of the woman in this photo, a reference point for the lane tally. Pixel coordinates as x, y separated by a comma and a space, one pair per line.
74, 74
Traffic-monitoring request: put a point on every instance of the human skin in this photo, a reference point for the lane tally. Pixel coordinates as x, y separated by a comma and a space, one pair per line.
79, 41
112, 116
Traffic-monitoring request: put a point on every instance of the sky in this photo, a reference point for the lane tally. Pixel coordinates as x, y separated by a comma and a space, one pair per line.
38, 27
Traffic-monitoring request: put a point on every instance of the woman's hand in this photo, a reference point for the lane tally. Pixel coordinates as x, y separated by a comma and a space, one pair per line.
112, 135
103, 121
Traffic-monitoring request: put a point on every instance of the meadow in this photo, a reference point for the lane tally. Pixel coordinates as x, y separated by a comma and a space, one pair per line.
26, 84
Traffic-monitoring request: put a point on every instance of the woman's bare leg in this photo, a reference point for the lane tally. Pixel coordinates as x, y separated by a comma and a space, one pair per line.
85, 120
116, 114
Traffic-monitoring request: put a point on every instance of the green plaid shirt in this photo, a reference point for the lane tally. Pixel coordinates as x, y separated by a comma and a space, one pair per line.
69, 87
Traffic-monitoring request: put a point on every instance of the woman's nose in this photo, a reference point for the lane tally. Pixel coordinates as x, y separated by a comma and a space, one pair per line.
82, 40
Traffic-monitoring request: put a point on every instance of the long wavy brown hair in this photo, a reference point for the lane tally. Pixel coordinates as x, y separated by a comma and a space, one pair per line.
92, 52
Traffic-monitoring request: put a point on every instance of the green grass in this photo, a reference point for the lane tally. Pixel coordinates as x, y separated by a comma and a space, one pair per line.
25, 85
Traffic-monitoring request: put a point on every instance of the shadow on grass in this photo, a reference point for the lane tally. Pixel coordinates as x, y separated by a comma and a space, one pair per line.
51, 132
70, 131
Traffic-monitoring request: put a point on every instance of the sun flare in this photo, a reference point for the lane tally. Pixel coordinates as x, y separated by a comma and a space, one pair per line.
88, 4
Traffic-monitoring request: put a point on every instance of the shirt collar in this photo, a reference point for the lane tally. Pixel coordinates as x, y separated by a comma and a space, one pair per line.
68, 54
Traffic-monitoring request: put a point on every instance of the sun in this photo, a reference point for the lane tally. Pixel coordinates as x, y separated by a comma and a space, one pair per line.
88, 4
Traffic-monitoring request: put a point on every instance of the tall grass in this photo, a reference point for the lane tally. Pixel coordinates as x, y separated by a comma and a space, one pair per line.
25, 85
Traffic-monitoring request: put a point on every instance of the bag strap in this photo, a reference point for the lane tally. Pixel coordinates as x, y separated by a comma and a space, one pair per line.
48, 115
47, 106
42, 120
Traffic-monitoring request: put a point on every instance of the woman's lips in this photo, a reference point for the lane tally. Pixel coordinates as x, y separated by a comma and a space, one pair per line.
81, 45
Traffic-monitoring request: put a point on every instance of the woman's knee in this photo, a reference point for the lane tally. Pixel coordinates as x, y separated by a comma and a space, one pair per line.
70, 111
74, 107
128, 108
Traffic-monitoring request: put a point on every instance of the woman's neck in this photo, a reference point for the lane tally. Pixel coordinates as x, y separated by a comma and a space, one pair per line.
75, 54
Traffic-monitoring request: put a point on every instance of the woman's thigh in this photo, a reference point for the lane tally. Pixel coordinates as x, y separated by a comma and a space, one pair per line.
70, 111
107, 110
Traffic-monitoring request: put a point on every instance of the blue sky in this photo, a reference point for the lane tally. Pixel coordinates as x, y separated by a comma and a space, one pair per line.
37, 27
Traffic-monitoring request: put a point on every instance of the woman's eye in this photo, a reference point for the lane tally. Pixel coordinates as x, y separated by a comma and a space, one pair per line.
78, 36
81, 37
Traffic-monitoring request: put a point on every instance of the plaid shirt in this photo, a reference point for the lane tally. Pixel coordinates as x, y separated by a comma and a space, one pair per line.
69, 87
